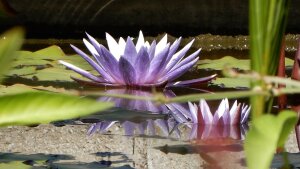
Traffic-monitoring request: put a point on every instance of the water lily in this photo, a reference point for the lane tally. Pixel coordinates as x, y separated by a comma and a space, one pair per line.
208, 132
140, 64
238, 114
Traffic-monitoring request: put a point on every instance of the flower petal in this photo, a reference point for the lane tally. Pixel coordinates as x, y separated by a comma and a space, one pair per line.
110, 63
113, 46
90, 47
178, 115
173, 48
129, 128
157, 63
97, 67
161, 44
233, 111
206, 113
152, 50
186, 60
142, 65
130, 51
178, 72
140, 42
220, 111
245, 113
178, 56
236, 118
194, 112
82, 72
127, 71
191, 82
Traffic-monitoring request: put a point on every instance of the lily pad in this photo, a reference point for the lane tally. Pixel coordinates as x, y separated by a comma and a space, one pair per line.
231, 82
242, 64
20, 88
42, 66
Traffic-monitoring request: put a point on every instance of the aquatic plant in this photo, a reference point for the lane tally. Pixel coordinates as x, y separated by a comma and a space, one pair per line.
208, 132
143, 64
238, 114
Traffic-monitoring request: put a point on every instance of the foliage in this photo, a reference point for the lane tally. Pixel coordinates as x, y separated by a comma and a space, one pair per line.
40, 107
267, 28
9, 43
267, 133
42, 65
25, 108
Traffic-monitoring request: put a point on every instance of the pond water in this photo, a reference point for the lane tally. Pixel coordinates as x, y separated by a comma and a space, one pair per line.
134, 134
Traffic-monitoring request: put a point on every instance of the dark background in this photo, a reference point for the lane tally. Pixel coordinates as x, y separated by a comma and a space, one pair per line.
71, 18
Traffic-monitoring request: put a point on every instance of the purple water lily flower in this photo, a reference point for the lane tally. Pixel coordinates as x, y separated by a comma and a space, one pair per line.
205, 132
140, 64
238, 114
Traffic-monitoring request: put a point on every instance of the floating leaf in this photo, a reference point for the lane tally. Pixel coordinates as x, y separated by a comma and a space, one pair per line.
41, 107
231, 82
267, 133
15, 165
52, 52
43, 66
10, 42
218, 64
20, 88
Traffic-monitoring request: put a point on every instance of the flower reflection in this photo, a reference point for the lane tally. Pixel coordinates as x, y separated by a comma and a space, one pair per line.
143, 64
179, 116
149, 127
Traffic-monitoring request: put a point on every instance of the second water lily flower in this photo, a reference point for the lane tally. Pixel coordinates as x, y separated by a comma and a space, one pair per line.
224, 115
140, 64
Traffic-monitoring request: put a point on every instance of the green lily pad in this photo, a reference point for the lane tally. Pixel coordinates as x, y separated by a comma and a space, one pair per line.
20, 88
242, 64
43, 66
228, 82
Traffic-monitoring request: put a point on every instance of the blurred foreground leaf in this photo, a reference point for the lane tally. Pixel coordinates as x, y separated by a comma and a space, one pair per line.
267, 133
10, 42
41, 107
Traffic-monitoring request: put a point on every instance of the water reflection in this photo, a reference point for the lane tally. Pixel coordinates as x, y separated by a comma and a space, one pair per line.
147, 127
178, 115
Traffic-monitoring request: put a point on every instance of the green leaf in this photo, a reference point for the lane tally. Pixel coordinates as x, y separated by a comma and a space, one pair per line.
10, 42
42, 65
41, 107
15, 165
266, 134
242, 64
20, 88
231, 82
